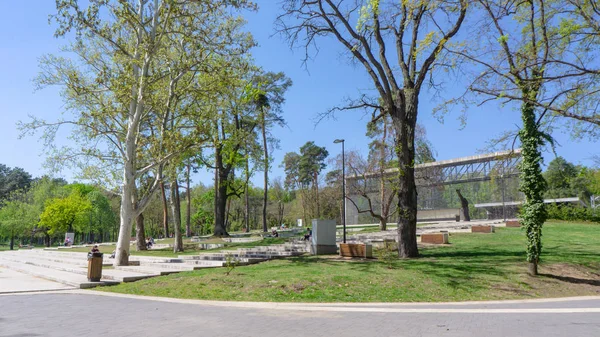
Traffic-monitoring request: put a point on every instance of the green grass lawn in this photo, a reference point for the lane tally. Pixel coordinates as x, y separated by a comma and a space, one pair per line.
472, 267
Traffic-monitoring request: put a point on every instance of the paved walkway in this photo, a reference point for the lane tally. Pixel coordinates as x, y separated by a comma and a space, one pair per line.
75, 313
12, 281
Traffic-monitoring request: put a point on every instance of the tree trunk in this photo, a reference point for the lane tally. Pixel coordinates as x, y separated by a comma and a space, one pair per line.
266, 166
165, 210
176, 212
221, 177
247, 197
47, 239
220, 207
407, 191
127, 215
188, 214
532, 268
303, 196
382, 163
12, 241
247, 208
140, 233
281, 209
382, 224
316, 183
532, 183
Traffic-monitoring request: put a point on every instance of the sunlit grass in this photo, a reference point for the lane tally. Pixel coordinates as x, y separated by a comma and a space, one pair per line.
472, 267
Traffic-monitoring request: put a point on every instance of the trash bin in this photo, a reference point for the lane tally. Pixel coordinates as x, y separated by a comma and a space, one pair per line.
94, 273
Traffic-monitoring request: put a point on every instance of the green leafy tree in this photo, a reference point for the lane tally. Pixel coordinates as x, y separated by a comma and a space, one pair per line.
515, 64
302, 173
66, 214
269, 98
15, 217
118, 82
12, 180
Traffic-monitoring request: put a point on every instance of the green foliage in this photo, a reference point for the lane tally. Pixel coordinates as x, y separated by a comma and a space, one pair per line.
66, 214
568, 180
388, 254
230, 263
15, 215
12, 180
532, 182
572, 213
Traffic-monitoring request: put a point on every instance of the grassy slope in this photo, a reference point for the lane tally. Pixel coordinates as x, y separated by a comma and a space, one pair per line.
473, 267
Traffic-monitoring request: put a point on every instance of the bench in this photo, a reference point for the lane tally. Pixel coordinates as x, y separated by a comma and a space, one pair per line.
513, 223
356, 250
482, 229
435, 238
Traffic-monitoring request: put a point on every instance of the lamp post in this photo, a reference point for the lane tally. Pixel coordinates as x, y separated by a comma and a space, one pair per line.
337, 141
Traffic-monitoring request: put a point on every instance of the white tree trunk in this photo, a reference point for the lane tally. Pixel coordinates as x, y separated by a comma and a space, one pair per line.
127, 216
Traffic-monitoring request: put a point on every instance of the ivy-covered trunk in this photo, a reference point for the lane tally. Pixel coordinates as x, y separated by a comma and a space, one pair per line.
532, 185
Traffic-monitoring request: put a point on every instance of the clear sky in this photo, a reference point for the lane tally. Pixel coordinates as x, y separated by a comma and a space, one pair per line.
26, 35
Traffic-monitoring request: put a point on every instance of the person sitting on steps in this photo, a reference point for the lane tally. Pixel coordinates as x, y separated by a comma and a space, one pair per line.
308, 234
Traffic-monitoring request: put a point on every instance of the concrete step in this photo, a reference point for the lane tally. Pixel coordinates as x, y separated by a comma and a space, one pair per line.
75, 280
150, 270
205, 263
109, 274
59, 259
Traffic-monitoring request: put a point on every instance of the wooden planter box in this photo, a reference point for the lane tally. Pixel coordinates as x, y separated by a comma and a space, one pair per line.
482, 229
513, 223
435, 238
356, 250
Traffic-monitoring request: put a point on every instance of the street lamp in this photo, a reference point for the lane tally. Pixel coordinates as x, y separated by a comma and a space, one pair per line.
337, 141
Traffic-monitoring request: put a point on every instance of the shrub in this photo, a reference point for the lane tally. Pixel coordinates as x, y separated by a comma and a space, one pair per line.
572, 213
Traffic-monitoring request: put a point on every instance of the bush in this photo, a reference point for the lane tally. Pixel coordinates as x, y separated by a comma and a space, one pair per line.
571, 213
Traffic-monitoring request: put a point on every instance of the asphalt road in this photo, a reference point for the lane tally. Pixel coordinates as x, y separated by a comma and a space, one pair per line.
86, 313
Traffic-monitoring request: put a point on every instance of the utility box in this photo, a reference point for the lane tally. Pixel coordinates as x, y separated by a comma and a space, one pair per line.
323, 237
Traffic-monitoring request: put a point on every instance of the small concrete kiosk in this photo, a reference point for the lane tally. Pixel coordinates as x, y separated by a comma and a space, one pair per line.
323, 237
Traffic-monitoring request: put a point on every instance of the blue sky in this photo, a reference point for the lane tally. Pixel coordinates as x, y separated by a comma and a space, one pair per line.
328, 79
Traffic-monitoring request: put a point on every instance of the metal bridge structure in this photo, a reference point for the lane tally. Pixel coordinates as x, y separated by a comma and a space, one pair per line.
482, 179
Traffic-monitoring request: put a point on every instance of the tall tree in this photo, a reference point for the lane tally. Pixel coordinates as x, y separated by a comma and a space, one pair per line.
12, 180
269, 98
66, 214
14, 219
366, 30
232, 124
302, 172
515, 63
114, 82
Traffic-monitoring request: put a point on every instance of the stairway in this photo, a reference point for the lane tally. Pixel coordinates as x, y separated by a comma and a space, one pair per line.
71, 267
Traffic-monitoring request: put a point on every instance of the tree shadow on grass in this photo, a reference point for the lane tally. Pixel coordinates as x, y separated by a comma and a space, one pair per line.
574, 280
